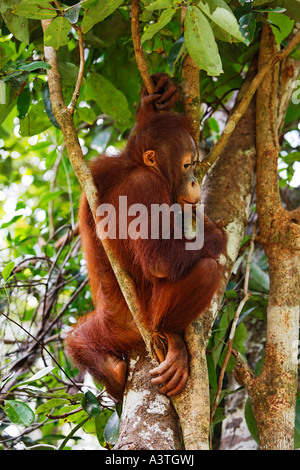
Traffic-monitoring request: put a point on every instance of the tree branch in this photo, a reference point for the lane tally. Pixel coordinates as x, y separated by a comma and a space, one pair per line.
243, 105
191, 89
139, 55
191, 95
75, 96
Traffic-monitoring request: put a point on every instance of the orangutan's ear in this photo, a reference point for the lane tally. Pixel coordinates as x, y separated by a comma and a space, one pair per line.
149, 158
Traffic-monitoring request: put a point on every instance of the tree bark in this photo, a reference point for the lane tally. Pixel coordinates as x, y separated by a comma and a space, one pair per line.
149, 420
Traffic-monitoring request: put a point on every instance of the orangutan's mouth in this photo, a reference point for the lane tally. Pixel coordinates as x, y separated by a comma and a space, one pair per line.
192, 203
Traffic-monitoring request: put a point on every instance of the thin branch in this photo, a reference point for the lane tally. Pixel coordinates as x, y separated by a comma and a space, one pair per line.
66, 306
42, 346
52, 186
65, 415
71, 434
191, 95
57, 4
75, 96
228, 354
191, 89
251, 249
243, 105
139, 55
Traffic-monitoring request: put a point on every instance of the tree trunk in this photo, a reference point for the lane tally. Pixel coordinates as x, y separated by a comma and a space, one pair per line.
273, 393
149, 420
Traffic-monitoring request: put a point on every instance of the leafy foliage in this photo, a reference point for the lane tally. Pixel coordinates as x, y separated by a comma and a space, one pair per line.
43, 285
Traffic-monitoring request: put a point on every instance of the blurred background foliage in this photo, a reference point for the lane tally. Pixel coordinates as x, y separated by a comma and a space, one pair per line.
45, 401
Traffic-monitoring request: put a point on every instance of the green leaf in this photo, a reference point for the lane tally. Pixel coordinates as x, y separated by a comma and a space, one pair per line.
48, 107
251, 421
221, 330
86, 115
35, 121
7, 102
18, 412
56, 35
34, 378
283, 26
50, 159
291, 158
50, 404
41, 373
176, 52
35, 12
100, 422
219, 415
12, 221
214, 125
261, 2
68, 72
36, 65
273, 10
50, 196
72, 14
220, 33
111, 100
238, 344
201, 43
17, 25
163, 20
219, 12
98, 13
212, 374
247, 27
292, 8
23, 102
90, 404
159, 4
7, 270
259, 279
33, 2
111, 431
